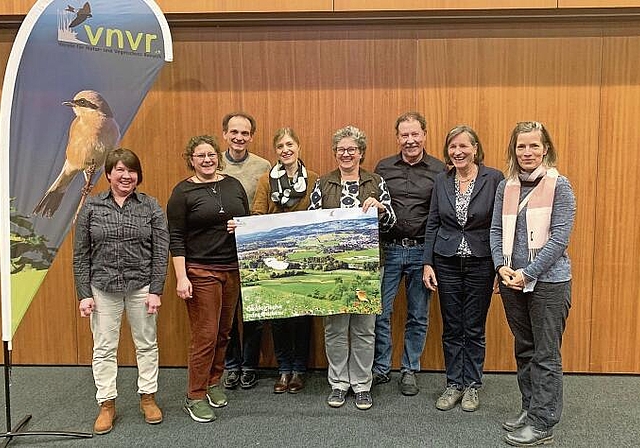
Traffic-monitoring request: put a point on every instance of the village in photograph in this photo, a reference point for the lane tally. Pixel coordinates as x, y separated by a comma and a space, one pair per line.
317, 262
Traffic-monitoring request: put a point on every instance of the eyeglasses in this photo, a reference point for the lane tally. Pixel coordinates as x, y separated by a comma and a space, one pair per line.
350, 150
211, 155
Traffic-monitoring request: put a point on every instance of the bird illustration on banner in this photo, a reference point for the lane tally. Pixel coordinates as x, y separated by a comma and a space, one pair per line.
92, 134
82, 14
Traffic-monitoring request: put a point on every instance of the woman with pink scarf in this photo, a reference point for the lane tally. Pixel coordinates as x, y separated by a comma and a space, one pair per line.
533, 216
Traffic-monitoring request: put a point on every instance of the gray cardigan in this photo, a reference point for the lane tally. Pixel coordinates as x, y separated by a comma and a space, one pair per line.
552, 263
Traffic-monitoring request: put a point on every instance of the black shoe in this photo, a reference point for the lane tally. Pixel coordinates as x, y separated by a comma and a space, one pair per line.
529, 436
248, 379
380, 378
363, 400
337, 398
408, 384
232, 380
517, 422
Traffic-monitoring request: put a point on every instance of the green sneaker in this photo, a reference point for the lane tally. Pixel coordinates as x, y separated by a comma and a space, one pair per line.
216, 396
199, 410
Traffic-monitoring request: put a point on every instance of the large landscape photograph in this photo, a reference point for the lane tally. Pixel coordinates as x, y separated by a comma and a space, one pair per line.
315, 262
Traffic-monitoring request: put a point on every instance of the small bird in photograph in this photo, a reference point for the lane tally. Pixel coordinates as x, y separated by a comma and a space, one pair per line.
92, 134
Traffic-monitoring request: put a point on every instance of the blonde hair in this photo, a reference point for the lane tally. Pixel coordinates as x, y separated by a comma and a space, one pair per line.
550, 158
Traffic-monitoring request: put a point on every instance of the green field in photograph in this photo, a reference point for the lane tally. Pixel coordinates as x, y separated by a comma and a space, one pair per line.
316, 292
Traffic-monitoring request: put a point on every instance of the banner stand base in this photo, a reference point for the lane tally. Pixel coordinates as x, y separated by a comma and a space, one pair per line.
17, 431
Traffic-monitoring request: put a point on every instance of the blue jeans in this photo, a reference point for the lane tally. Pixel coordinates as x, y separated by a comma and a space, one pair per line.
245, 354
291, 343
465, 286
401, 261
537, 320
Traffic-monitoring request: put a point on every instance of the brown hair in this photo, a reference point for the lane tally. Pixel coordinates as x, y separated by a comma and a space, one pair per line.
197, 141
228, 117
410, 116
473, 137
128, 159
280, 133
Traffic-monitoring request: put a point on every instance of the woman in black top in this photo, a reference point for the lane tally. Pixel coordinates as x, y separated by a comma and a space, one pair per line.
206, 265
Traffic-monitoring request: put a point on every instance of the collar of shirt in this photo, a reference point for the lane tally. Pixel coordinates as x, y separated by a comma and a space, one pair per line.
103, 195
423, 161
232, 160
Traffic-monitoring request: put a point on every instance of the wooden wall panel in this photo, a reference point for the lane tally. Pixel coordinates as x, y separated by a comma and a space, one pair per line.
358, 5
47, 334
10, 7
616, 301
492, 83
597, 3
335, 79
200, 6
319, 79
21, 7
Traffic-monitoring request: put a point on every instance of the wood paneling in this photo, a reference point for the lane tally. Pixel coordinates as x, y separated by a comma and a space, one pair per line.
492, 83
359, 5
206, 6
597, 3
47, 334
11, 7
616, 301
581, 84
21, 7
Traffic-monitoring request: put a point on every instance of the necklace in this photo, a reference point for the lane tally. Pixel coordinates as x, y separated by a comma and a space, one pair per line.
213, 190
205, 181
468, 179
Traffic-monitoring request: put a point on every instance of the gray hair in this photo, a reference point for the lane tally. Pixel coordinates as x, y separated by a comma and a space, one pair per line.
350, 132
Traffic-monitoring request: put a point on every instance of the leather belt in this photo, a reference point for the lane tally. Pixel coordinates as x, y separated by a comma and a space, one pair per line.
405, 242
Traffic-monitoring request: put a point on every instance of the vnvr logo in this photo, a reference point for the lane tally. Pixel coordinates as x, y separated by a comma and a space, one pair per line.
111, 33
124, 40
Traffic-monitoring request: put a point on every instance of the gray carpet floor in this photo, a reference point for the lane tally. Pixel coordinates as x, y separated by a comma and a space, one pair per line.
599, 411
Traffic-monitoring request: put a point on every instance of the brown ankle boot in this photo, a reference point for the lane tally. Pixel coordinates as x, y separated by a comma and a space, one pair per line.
151, 411
106, 417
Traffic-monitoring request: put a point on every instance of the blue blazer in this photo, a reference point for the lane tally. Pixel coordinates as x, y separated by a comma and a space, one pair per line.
443, 233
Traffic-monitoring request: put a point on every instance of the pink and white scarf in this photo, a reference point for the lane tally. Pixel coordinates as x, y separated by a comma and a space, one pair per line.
540, 205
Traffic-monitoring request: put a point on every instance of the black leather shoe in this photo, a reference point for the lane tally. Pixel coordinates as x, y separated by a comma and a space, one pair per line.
282, 384
517, 422
380, 378
248, 379
529, 436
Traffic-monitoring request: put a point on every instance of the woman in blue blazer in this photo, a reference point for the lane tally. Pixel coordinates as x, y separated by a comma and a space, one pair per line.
457, 261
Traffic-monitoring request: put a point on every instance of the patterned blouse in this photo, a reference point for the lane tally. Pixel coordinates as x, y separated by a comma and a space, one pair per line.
462, 209
349, 199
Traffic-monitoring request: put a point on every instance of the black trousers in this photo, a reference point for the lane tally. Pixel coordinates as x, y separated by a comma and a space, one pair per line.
537, 320
465, 286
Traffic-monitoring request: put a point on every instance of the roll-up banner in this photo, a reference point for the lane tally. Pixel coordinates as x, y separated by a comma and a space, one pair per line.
76, 76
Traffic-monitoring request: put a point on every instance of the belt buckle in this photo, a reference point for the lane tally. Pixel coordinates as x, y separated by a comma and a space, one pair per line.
407, 242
